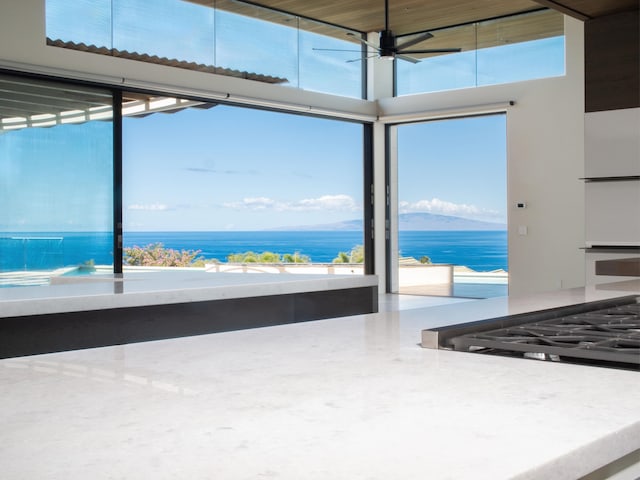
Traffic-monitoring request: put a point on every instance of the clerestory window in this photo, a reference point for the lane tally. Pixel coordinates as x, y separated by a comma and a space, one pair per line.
225, 37
510, 49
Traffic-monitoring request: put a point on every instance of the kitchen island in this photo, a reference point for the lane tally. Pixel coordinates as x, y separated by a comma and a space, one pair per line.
346, 398
88, 311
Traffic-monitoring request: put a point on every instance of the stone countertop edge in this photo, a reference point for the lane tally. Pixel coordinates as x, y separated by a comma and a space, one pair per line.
103, 295
590, 457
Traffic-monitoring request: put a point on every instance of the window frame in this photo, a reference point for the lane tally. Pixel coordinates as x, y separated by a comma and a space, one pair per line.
117, 133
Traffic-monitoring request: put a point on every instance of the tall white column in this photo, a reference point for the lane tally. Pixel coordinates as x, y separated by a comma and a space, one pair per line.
379, 85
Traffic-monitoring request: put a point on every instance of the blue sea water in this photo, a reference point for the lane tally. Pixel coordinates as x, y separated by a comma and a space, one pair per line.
479, 250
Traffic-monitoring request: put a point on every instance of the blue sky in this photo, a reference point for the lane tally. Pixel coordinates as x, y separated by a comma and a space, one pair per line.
231, 168
488, 66
454, 167
237, 168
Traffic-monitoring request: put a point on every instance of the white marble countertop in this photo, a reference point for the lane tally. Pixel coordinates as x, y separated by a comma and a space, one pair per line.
352, 398
133, 289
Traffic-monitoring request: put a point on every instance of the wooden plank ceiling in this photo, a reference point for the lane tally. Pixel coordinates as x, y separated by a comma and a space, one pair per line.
409, 16
589, 9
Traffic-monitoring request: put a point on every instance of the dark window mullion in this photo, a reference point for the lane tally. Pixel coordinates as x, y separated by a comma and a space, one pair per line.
369, 237
117, 182
387, 212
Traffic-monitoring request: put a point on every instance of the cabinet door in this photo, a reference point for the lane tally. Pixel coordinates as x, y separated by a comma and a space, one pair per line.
612, 143
613, 213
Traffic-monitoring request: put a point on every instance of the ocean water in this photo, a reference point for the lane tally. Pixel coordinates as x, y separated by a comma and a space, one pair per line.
482, 251
479, 250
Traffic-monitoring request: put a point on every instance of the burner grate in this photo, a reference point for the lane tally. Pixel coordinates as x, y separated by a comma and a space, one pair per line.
610, 334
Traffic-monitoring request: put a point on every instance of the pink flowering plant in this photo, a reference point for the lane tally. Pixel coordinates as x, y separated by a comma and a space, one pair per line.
156, 255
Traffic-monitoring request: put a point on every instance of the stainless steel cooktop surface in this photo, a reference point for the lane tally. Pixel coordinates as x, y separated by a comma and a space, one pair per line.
600, 333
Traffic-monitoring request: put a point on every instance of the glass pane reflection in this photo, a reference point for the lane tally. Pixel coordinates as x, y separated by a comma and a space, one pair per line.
510, 49
222, 35
164, 28
56, 182
256, 40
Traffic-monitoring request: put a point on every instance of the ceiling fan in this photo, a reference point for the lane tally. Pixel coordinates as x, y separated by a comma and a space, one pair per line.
390, 50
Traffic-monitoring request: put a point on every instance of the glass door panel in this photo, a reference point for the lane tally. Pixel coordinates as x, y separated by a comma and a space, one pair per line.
56, 180
450, 213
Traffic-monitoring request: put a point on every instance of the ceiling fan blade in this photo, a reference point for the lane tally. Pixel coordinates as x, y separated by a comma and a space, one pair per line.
364, 42
334, 50
434, 50
361, 59
421, 38
407, 58
388, 49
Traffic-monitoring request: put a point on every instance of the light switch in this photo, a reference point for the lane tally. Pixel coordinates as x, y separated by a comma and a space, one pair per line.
522, 230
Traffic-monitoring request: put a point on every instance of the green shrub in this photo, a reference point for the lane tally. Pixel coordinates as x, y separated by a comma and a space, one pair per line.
295, 257
356, 255
267, 257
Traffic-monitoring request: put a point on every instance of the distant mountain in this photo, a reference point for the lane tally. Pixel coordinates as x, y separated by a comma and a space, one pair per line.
430, 221
408, 221
347, 225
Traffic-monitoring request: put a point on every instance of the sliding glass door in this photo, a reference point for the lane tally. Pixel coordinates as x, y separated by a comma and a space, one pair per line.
56, 180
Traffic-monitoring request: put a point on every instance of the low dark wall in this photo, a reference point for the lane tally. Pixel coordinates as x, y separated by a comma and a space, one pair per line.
36, 334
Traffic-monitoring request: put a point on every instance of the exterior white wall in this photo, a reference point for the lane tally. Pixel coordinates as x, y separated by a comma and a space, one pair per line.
545, 134
545, 157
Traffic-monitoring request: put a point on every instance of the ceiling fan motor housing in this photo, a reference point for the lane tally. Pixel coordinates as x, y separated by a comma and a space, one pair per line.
387, 44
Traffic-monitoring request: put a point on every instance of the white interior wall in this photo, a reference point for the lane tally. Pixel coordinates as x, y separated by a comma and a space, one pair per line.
545, 134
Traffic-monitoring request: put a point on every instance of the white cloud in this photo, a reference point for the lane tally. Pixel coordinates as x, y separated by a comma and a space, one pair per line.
152, 207
325, 202
442, 207
252, 203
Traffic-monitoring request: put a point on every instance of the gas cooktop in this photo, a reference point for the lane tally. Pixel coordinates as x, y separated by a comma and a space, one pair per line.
605, 333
